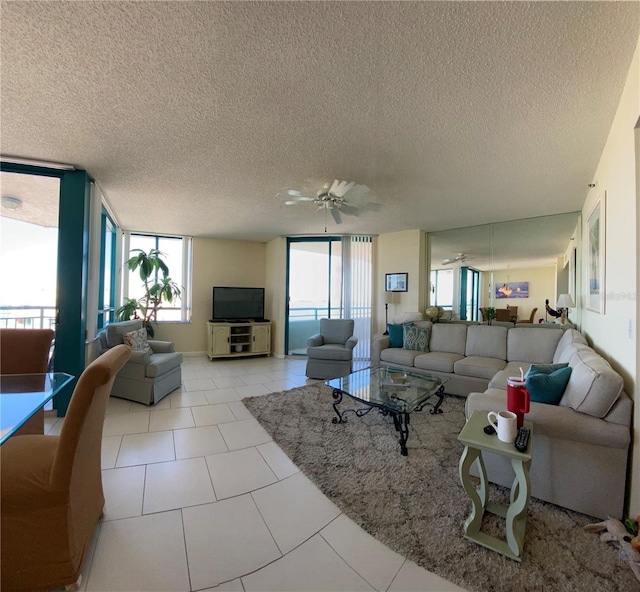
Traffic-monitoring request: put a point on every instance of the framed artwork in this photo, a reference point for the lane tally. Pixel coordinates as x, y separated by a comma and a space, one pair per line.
595, 272
396, 282
512, 290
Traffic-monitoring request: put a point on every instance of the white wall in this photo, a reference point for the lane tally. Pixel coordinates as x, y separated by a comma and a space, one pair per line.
275, 284
615, 334
216, 262
399, 252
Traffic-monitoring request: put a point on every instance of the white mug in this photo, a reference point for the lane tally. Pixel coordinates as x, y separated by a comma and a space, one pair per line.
506, 427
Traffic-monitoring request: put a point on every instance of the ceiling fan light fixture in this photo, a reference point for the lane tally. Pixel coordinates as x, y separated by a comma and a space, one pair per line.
11, 203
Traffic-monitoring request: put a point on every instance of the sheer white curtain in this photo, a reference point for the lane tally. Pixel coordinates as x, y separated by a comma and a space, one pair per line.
357, 277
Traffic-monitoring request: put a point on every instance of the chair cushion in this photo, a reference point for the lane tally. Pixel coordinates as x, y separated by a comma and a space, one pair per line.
336, 330
547, 387
115, 331
329, 352
415, 338
161, 363
137, 340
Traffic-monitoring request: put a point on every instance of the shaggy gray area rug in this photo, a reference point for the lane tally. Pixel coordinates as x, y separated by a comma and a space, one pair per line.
415, 504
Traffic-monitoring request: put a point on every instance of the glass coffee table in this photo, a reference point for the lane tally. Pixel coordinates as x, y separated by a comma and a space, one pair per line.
392, 392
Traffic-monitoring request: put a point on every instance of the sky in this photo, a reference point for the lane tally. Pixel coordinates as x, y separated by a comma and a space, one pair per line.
28, 264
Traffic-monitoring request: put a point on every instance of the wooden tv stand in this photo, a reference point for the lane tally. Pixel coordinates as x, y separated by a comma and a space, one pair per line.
238, 339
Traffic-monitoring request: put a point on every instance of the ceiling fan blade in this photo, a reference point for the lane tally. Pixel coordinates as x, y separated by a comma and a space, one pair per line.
335, 213
448, 261
349, 210
334, 186
342, 188
357, 194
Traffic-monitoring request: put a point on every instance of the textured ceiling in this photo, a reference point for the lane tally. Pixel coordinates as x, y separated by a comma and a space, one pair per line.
191, 116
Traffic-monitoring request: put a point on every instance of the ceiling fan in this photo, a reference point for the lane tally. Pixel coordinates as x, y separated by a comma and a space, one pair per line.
460, 257
337, 197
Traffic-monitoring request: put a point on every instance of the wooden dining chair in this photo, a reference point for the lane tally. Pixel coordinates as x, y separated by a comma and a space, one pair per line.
531, 317
51, 496
26, 351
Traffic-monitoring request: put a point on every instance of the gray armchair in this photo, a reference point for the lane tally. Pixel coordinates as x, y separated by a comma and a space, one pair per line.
330, 352
148, 376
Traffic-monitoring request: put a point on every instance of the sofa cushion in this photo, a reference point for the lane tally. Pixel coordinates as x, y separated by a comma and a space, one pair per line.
499, 379
398, 355
161, 363
478, 366
115, 331
415, 338
594, 386
531, 344
396, 335
448, 338
437, 361
564, 351
547, 387
486, 341
544, 368
137, 340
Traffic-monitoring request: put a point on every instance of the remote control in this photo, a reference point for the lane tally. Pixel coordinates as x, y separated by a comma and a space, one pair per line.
489, 430
522, 439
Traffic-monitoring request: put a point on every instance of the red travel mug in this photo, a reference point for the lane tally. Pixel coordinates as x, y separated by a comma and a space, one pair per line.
517, 398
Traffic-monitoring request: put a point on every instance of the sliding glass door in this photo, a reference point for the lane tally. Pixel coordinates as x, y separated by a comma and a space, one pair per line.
328, 277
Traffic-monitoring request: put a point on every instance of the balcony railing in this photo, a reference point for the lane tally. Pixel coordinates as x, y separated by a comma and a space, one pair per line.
27, 317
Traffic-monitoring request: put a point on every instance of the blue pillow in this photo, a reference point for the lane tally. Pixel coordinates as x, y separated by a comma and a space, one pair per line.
545, 368
416, 338
396, 335
548, 388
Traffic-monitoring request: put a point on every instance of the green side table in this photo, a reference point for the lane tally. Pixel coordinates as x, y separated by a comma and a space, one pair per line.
475, 442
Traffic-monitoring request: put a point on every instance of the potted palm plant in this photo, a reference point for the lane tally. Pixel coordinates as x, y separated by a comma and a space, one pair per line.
489, 313
158, 288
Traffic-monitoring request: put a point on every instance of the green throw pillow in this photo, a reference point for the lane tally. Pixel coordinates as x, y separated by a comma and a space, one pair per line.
396, 335
416, 338
548, 388
544, 368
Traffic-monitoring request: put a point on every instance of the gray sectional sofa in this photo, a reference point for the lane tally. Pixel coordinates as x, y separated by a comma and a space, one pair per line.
580, 446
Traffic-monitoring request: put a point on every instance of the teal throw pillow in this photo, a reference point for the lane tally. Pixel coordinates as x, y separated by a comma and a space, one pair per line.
416, 338
396, 335
548, 388
544, 368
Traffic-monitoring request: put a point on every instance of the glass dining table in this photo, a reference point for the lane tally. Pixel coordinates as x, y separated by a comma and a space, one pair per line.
22, 399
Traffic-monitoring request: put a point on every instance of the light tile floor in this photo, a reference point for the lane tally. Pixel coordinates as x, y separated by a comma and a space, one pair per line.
198, 497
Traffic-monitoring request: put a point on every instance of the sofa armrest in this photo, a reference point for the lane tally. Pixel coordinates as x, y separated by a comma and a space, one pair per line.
351, 342
315, 340
379, 343
161, 347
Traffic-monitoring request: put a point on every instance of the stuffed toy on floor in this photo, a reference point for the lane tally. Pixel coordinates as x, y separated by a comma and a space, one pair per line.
617, 533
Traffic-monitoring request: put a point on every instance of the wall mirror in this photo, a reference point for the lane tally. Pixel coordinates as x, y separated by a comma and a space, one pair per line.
515, 265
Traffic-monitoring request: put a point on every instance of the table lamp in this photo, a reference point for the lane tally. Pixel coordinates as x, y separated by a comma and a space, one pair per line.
564, 303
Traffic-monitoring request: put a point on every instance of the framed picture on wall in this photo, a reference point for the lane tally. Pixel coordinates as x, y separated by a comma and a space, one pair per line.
595, 261
512, 290
396, 282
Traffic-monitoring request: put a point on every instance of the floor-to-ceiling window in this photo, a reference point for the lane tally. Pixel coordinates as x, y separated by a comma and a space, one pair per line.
107, 288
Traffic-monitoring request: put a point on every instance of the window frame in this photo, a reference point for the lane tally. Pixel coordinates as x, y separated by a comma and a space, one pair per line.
185, 281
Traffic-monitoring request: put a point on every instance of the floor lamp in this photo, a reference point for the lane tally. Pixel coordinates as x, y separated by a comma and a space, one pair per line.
388, 298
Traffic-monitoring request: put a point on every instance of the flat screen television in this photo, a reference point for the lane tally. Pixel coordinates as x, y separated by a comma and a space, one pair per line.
238, 304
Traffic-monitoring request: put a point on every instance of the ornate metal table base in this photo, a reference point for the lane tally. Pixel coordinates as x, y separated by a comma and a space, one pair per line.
401, 419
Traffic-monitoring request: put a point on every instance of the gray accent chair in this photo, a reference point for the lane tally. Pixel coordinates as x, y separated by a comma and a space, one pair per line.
147, 377
330, 352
